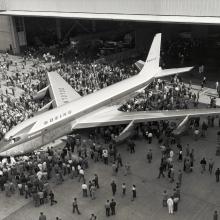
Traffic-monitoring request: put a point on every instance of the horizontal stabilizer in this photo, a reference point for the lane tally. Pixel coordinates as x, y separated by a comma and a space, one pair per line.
46, 107
173, 71
40, 94
140, 64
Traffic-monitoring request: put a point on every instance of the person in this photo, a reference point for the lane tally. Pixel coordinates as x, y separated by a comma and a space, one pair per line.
161, 169
187, 167
119, 160
203, 164
204, 129
42, 216
112, 206
149, 156
92, 191
41, 196
215, 216
93, 217
201, 69
217, 174
132, 146
165, 197
180, 155
175, 203
96, 181
114, 169
114, 187
105, 156
196, 134
107, 208
171, 175
191, 156
123, 189
180, 176
52, 200
150, 136
177, 192
211, 165
81, 175
75, 206
89, 187
170, 205
146, 135
134, 193
85, 190
204, 80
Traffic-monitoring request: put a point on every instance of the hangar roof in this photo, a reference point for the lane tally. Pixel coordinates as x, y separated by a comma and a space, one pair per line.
128, 17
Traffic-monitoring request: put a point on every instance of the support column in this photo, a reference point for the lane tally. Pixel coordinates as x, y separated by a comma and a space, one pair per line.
14, 36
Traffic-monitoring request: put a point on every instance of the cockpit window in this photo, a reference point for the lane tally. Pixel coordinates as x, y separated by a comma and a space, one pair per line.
17, 136
16, 139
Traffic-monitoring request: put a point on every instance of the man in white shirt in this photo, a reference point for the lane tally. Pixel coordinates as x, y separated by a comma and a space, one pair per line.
85, 190
196, 134
170, 205
150, 135
105, 156
81, 175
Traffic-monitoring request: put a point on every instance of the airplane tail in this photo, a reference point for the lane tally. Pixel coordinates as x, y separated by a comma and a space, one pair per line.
153, 58
151, 66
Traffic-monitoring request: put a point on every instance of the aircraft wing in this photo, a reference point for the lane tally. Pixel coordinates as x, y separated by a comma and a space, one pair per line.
60, 91
111, 116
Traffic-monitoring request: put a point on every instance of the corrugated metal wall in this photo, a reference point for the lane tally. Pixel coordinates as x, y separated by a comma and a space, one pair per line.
2, 5
155, 7
5, 33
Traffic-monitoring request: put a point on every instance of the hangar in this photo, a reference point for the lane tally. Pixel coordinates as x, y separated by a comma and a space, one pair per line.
30, 22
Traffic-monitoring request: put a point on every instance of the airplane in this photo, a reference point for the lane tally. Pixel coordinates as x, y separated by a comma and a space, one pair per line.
72, 111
